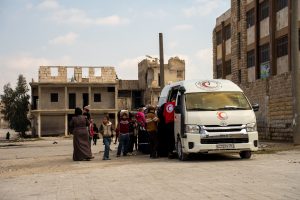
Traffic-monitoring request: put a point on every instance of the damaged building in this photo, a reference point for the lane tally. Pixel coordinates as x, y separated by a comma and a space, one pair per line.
61, 89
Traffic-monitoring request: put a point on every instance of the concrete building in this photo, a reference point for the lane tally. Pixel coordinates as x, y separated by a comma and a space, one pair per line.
60, 89
146, 90
252, 47
149, 76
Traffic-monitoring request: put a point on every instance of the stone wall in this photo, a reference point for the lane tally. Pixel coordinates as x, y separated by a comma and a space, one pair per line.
52, 125
281, 107
128, 85
108, 75
275, 115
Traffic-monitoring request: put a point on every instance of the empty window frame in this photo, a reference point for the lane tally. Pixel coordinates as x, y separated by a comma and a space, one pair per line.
54, 97
97, 97
179, 74
97, 72
240, 76
264, 10
282, 46
251, 58
54, 71
71, 74
227, 32
239, 45
219, 37
219, 71
250, 18
238, 10
85, 72
299, 39
227, 67
264, 53
281, 4
110, 89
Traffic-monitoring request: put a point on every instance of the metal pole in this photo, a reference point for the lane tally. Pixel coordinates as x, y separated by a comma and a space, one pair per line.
161, 60
295, 69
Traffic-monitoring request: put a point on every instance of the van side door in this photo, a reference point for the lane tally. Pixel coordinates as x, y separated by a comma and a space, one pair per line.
177, 116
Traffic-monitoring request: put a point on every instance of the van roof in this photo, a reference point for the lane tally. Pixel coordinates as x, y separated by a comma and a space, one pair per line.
197, 85
205, 85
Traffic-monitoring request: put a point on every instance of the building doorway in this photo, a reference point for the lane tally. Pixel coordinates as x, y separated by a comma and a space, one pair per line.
85, 99
72, 101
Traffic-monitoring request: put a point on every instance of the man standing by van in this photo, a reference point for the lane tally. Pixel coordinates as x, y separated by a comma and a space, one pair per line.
169, 121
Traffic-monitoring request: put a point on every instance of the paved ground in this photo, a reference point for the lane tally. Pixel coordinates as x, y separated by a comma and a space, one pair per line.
43, 170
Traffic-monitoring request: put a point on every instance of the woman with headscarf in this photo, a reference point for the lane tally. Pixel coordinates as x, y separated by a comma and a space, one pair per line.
81, 145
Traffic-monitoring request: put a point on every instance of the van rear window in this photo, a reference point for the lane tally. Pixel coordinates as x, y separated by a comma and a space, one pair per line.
210, 101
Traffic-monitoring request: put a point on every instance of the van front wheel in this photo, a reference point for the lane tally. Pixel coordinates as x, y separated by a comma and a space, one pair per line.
181, 156
245, 154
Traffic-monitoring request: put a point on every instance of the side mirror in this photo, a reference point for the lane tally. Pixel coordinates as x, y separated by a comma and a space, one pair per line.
177, 109
255, 107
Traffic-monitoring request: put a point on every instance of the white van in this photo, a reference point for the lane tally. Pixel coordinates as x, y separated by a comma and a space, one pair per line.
212, 116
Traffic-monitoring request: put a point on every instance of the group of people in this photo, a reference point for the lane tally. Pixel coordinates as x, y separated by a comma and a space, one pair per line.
157, 124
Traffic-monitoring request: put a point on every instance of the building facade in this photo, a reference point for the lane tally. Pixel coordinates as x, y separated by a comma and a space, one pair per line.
61, 89
252, 47
149, 77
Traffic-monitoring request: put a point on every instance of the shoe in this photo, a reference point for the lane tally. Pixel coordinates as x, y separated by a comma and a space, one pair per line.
106, 159
118, 155
130, 154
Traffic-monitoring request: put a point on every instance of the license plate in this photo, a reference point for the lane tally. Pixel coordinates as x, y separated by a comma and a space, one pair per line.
225, 146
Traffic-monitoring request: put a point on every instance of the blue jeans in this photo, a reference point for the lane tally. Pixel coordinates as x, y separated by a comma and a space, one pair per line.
123, 144
106, 141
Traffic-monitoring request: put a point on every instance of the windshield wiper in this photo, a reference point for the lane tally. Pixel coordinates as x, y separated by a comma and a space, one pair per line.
201, 109
232, 108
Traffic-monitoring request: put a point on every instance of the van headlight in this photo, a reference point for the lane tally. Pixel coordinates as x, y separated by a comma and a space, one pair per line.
251, 127
192, 128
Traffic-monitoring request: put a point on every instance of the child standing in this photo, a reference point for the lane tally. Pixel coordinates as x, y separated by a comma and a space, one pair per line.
106, 130
91, 130
123, 132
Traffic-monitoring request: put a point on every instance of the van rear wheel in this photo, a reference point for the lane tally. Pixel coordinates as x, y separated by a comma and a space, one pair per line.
245, 154
181, 156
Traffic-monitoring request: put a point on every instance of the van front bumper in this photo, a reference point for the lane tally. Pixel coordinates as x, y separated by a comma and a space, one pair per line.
193, 143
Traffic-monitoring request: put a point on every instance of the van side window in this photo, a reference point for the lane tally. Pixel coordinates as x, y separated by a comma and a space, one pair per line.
172, 94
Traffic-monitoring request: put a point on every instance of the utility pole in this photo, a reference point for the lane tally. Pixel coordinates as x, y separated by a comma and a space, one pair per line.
295, 69
161, 60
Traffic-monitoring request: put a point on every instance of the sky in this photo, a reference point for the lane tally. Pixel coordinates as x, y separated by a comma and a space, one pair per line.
118, 33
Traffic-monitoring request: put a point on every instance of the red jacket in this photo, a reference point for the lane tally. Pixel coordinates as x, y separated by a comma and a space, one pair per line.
123, 126
92, 132
169, 112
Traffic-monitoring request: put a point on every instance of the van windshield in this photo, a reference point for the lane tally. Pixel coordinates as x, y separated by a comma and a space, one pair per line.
210, 101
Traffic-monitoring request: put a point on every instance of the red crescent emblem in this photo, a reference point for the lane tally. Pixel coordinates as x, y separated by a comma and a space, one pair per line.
206, 84
170, 108
222, 115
